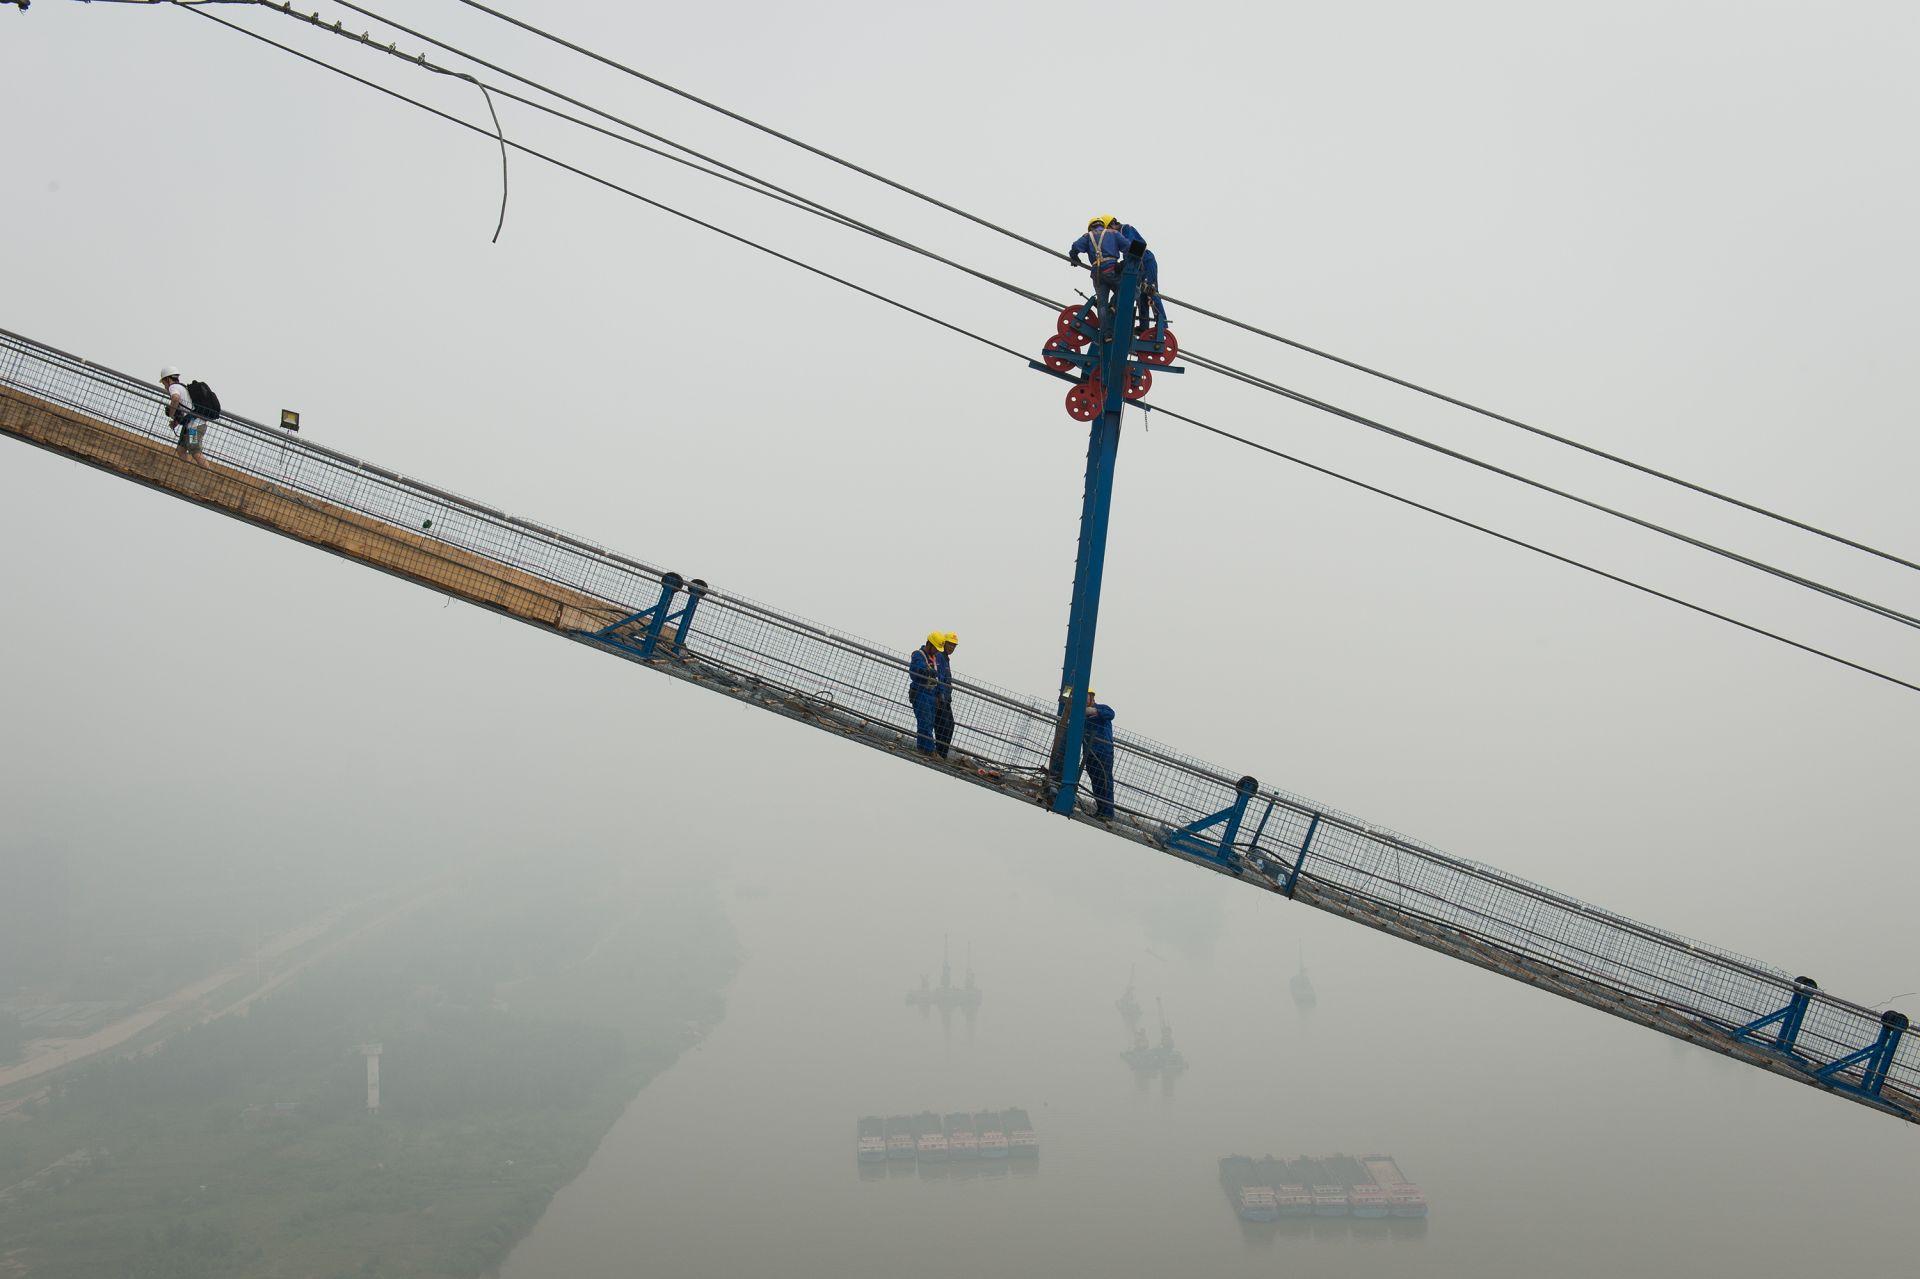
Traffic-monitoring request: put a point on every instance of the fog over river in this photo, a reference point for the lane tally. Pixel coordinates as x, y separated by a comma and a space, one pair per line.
1539, 1129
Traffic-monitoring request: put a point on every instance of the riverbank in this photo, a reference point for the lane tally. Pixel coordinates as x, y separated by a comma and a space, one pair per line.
518, 1013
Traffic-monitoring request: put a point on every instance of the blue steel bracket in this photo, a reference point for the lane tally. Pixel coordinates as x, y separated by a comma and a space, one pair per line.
656, 618
1875, 1060
1256, 858
696, 591
1080, 359
1788, 1019
1187, 839
1293, 876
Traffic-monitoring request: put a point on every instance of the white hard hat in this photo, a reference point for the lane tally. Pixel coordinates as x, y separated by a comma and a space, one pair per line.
168, 372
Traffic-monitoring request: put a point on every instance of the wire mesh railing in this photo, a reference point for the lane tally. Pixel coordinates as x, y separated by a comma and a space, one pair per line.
1157, 789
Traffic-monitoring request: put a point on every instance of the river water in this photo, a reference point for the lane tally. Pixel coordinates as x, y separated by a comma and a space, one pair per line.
1550, 1140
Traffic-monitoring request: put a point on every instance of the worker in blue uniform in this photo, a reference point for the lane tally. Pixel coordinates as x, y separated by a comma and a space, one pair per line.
943, 703
1096, 754
1103, 244
1104, 247
1149, 305
923, 689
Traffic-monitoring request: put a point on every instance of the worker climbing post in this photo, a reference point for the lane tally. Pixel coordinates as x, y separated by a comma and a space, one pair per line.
1105, 247
943, 705
1149, 309
924, 679
1110, 372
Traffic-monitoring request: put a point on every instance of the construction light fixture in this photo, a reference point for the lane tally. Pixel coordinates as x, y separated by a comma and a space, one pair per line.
289, 420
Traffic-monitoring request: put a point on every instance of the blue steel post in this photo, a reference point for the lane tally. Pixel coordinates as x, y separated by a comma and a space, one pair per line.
1103, 449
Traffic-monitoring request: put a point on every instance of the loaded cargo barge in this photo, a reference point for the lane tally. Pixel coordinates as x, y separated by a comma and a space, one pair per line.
929, 1139
991, 1132
871, 1140
961, 1143
932, 1138
1404, 1198
1251, 1195
899, 1137
1021, 1141
1371, 1188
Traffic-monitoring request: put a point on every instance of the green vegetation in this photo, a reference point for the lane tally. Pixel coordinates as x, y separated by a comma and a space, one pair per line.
518, 1014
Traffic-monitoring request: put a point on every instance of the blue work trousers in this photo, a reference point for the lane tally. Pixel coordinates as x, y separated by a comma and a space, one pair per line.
1099, 766
925, 714
943, 726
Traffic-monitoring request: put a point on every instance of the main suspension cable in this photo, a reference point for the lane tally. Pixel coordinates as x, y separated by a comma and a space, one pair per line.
808, 204
1022, 356
1653, 472
754, 183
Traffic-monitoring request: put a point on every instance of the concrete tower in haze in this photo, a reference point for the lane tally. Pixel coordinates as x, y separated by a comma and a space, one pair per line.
372, 1053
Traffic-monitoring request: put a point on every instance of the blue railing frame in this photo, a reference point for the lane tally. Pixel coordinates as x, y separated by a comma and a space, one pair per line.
656, 616
1221, 852
1788, 1019
1306, 842
1359, 870
1873, 1060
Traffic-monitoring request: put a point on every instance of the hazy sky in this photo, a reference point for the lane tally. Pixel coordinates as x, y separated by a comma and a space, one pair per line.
1679, 231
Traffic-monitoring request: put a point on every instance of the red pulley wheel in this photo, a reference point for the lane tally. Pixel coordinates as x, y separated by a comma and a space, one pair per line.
1067, 327
1054, 361
1085, 400
1169, 345
1139, 382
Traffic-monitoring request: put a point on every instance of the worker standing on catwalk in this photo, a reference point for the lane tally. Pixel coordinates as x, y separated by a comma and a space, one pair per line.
1096, 754
943, 705
923, 689
182, 417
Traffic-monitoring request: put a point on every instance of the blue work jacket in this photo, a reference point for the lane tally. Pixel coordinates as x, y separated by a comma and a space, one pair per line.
1107, 246
1100, 730
944, 679
924, 674
1149, 265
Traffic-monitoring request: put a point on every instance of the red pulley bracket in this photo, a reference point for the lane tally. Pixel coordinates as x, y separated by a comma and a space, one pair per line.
1054, 361
1085, 400
1139, 382
1169, 345
1067, 326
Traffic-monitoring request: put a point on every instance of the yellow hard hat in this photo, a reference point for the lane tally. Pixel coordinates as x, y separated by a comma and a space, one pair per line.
936, 638
949, 639
1101, 219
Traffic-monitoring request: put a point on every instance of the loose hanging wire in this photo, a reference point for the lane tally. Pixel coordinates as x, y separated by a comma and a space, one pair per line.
502, 135
1193, 357
1022, 356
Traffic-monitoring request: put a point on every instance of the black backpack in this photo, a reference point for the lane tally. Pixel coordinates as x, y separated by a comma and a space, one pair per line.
205, 402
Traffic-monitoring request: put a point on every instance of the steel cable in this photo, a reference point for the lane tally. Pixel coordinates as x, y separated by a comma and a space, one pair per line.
1009, 233
795, 199
1023, 357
